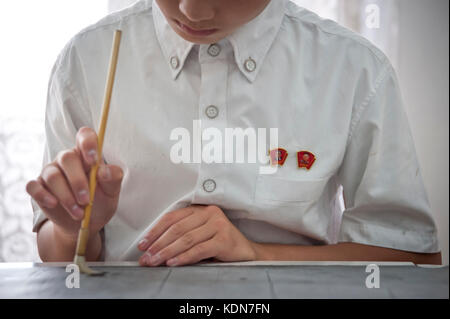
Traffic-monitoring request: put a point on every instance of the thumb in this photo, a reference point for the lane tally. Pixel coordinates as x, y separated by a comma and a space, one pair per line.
109, 178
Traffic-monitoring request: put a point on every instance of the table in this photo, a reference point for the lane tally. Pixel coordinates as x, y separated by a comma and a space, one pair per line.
285, 280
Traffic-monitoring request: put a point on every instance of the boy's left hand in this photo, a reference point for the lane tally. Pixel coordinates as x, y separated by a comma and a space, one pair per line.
189, 235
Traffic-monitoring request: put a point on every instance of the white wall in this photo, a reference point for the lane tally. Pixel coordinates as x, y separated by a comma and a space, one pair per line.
424, 76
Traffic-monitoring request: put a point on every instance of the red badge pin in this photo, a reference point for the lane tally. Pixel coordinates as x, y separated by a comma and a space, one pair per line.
306, 159
278, 156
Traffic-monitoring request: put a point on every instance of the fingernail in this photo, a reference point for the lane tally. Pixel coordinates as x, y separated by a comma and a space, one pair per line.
93, 156
77, 211
172, 262
147, 258
142, 243
83, 196
155, 259
105, 173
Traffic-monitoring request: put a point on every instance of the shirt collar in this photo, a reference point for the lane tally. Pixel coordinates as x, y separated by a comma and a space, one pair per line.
174, 47
250, 42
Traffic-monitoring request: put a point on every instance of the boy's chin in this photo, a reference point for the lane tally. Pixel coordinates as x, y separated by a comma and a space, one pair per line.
201, 39
197, 41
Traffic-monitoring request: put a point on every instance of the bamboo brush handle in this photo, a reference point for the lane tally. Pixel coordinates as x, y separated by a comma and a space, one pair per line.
83, 235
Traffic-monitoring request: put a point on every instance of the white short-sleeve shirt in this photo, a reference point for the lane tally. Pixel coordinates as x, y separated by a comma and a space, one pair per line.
327, 90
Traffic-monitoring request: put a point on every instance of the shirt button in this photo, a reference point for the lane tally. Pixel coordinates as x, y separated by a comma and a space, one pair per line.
212, 111
214, 50
174, 62
209, 186
250, 65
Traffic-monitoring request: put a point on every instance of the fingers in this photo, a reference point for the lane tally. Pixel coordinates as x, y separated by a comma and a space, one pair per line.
217, 237
87, 144
191, 239
71, 165
43, 197
164, 223
196, 254
62, 189
176, 231
56, 183
109, 178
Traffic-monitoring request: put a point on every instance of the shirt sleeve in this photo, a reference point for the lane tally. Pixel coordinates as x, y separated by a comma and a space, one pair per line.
67, 110
385, 198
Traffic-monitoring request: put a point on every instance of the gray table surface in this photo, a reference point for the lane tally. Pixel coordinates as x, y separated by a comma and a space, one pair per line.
225, 281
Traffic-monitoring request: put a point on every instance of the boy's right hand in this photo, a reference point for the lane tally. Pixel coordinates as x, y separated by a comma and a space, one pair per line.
62, 189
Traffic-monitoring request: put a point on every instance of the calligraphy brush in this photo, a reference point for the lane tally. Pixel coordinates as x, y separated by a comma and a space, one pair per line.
83, 235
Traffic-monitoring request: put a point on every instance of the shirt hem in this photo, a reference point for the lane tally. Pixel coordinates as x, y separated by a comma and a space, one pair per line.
376, 235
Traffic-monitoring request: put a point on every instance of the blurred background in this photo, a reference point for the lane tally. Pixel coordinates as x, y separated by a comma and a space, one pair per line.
413, 33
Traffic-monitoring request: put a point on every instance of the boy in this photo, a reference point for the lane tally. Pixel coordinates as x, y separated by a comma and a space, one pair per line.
332, 95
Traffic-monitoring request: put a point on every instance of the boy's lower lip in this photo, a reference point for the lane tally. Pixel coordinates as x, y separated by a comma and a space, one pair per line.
198, 33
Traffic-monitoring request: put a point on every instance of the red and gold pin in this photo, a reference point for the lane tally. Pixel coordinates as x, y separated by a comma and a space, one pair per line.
278, 156
306, 159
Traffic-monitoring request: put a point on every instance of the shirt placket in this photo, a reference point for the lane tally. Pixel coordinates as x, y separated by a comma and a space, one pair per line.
210, 188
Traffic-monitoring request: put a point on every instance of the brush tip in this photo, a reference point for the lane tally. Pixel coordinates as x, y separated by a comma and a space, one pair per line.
80, 261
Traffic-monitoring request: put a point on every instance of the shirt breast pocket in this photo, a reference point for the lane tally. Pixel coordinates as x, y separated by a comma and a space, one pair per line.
276, 191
